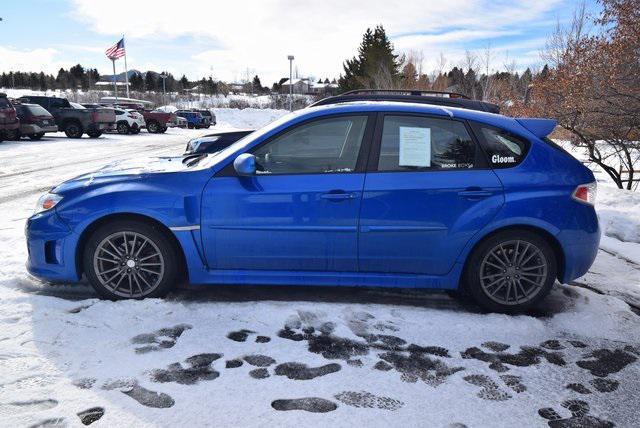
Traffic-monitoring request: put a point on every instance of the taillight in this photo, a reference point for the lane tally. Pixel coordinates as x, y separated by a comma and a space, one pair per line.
94, 116
586, 193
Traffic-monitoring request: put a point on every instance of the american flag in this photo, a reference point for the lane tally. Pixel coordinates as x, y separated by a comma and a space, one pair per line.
116, 51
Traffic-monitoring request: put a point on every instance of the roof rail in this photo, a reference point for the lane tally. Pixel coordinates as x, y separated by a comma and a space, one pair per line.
414, 92
427, 97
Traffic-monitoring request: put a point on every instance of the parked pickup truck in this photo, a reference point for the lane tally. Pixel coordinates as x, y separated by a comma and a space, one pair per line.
9, 123
75, 122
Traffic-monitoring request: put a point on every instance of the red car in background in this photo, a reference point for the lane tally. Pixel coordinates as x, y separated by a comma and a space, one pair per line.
156, 121
9, 122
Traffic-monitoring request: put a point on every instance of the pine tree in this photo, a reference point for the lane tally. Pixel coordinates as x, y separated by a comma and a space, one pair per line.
184, 82
256, 84
375, 67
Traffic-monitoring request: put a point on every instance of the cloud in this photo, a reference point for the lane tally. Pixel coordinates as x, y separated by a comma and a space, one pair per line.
234, 36
35, 60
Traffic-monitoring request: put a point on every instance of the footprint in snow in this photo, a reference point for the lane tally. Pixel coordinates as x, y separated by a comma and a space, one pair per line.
580, 417
160, 339
308, 404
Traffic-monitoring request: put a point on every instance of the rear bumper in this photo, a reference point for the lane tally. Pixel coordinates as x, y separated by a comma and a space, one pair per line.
580, 243
35, 129
9, 126
101, 127
51, 248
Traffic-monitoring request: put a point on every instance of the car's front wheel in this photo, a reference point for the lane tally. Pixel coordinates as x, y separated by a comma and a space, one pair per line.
73, 130
129, 259
511, 271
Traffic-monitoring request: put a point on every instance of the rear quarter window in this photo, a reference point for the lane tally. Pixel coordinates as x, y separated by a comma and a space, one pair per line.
37, 110
4, 103
503, 149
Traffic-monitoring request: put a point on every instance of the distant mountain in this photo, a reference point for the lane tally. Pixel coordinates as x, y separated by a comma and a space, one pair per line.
120, 76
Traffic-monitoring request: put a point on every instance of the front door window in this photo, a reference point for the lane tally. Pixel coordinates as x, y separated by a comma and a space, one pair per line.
323, 146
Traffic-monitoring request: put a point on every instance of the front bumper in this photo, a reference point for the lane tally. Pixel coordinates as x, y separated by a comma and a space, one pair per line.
51, 248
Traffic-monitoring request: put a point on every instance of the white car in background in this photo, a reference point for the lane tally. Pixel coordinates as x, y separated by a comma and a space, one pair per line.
129, 121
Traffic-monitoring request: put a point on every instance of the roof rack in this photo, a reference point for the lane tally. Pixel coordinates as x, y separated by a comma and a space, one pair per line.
445, 99
412, 92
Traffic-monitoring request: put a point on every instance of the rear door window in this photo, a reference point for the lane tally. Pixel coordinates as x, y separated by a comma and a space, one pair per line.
411, 143
503, 148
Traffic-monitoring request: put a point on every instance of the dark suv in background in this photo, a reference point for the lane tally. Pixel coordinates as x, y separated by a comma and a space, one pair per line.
208, 115
35, 121
9, 122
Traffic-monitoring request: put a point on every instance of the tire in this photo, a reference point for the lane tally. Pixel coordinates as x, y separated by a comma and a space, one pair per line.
13, 135
207, 126
94, 134
99, 258
135, 130
36, 137
510, 271
153, 127
73, 130
163, 130
190, 125
123, 128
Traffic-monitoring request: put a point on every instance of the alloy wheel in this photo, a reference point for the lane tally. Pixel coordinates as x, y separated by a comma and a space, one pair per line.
129, 264
513, 272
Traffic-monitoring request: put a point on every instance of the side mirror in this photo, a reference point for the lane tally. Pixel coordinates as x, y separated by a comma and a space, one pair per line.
245, 164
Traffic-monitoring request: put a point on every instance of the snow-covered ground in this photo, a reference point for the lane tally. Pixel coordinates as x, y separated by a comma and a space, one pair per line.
287, 356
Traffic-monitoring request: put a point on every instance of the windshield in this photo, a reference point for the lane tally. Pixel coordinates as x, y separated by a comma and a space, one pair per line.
246, 140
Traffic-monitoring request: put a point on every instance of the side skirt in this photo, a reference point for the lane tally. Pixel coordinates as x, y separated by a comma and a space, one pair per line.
315, 278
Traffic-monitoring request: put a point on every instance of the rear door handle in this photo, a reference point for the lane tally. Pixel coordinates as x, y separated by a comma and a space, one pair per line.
338, 195
475, 193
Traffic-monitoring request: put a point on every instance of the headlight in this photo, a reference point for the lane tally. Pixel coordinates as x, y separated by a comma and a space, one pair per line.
46, 202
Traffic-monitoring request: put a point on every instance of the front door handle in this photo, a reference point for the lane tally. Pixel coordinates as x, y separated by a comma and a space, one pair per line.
338, 195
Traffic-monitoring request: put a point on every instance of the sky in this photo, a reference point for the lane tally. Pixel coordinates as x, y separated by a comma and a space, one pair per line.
230, 40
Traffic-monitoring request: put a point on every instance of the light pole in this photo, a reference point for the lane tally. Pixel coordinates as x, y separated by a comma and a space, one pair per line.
164, 89
290, 57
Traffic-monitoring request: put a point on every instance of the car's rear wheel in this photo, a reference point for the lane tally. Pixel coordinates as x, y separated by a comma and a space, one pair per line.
123, 128
37, 136
130, 260
153, 127
13, 135
94, 134
511, 271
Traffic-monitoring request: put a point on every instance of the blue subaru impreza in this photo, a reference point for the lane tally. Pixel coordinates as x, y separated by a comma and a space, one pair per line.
389, 194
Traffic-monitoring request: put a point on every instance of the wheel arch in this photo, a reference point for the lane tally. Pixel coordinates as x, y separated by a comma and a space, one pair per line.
67, 122
545, 234
183, 274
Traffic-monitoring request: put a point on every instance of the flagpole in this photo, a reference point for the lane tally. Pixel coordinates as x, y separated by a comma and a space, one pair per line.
115, 84
126, 72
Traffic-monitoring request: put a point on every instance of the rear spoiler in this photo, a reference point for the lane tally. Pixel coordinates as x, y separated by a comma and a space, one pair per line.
538, 127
